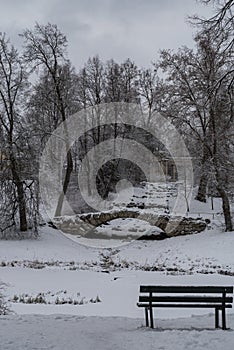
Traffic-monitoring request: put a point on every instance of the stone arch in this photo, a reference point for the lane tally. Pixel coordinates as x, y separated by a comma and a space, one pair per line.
78, 224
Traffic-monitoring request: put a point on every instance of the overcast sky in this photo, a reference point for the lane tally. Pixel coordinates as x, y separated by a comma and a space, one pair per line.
111, 28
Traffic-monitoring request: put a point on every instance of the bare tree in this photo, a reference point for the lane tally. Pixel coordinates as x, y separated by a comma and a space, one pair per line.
13, 82
45, 46
151, 90
195, 96
220, 25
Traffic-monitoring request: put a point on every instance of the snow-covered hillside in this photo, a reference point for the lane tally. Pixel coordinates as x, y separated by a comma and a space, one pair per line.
65, 295
55, 267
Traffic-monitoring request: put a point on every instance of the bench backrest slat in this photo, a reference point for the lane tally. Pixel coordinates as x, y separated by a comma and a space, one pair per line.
186, 289
185, 299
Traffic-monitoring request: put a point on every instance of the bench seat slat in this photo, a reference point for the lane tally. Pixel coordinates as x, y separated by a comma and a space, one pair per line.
219, 306
185, 299
186, 289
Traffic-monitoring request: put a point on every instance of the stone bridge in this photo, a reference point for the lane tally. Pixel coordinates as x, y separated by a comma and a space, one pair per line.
82, 223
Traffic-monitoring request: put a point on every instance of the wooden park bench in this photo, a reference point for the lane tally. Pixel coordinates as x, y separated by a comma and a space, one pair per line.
216, 297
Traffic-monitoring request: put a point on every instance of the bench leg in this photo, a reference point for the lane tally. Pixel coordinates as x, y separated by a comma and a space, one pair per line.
151, 318
224, 318
217, 318
146, 317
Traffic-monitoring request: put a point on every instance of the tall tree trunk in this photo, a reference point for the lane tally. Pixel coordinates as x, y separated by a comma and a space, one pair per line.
201, 193
20, 196
22, 207
69, 169
219, 171
226, 208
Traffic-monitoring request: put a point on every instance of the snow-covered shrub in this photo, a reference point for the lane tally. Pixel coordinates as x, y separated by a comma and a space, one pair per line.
4, 309
54, 298
108, 259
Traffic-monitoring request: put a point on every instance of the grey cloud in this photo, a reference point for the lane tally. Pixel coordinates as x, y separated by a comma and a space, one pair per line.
110, 28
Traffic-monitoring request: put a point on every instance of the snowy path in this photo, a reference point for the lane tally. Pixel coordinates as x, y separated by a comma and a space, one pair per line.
59, 332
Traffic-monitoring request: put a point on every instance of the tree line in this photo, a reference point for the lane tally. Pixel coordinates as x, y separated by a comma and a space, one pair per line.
40, 88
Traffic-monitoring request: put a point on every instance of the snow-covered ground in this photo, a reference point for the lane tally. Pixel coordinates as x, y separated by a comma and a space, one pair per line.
66, 295
61, 332
209, 251
56, 267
